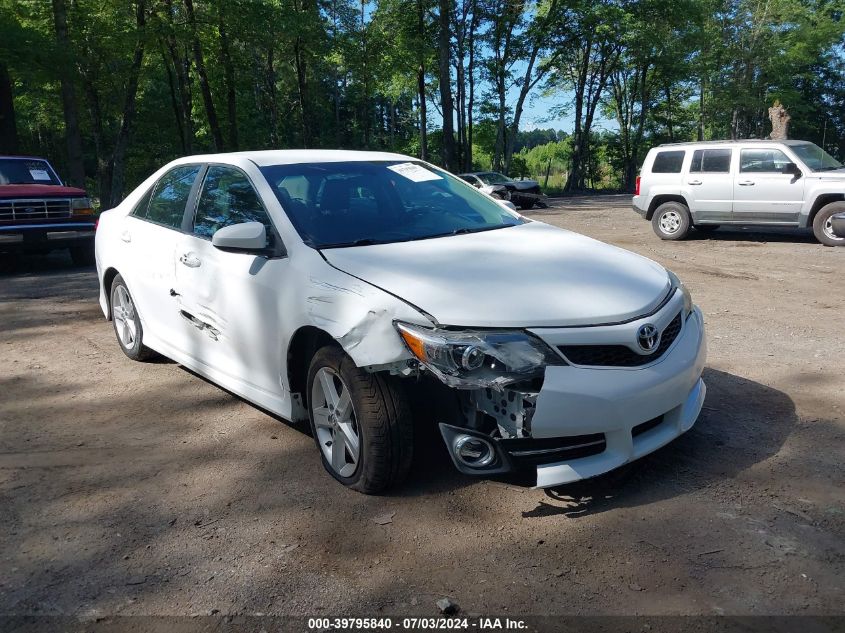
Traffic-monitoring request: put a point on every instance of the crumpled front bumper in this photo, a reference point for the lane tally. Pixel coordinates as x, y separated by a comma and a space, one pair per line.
637, 409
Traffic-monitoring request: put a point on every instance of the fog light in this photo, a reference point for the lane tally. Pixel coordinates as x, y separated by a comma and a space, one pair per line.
474, 452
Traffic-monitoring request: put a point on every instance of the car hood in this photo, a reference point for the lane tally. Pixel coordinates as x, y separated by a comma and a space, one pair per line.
531, 275
522, 185
39, 191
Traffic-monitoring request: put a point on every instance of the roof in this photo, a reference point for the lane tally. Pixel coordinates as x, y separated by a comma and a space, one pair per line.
736, 142
263, 158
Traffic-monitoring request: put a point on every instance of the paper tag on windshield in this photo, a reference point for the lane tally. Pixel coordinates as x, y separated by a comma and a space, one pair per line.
39, 174
414, 172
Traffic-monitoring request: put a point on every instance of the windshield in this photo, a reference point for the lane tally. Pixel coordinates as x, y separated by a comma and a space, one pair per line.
815, 157
26, 171
493, 178
361, 202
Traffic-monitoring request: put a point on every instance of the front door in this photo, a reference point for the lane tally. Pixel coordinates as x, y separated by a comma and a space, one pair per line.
710, 185
229, 300
763, 194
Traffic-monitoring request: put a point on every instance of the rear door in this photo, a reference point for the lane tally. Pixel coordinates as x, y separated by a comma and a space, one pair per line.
150, 235
763, 194
710, 184
229, 300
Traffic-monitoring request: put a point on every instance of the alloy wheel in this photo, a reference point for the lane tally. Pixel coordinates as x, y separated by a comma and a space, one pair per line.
335, 422
670, 222
123, 313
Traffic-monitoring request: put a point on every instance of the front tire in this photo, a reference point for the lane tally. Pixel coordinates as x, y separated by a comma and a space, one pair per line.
823, 226
671, 221
127, 323
360, 421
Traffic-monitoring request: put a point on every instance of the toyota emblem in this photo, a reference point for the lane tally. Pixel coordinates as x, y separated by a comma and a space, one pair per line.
648, 338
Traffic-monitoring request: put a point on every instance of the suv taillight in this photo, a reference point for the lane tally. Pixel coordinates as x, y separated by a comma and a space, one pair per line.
637, 187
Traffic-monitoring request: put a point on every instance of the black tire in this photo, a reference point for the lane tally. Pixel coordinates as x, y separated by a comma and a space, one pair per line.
527, 206
822, 228
136, 350
384, 423
707, 228
671, 214
82, 255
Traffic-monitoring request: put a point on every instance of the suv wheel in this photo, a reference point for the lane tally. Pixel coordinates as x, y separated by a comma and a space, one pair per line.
671, 221
360, 421
823, 226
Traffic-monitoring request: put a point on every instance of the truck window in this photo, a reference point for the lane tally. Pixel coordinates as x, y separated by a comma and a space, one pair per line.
668, 162
714, 161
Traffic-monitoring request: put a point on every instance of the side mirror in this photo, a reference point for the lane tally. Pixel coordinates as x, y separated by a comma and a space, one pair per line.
793, 169
248, 237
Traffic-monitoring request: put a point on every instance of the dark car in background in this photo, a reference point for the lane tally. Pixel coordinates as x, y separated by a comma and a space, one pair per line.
523, 193
38, 213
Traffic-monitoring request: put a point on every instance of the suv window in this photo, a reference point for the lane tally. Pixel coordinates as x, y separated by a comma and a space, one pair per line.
668, 162
227, 198
763, 161
171, 192
714, 161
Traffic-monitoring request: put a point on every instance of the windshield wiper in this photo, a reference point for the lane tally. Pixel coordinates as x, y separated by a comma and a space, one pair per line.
830, 168
367, 241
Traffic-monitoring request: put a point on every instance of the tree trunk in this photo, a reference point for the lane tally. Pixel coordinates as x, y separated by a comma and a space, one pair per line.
302, 89
421, 84
73, 137
780, 122
8, 125
229, 73
444, 46
205, 88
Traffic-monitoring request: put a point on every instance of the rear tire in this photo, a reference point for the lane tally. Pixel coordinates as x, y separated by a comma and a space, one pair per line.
671, 221
127, 323
822, 225
82, 255
364, 410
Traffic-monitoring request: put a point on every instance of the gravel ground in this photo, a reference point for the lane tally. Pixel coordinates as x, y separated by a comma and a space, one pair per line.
132, 488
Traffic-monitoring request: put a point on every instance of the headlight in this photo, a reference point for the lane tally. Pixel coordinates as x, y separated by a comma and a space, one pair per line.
471, 359
82, 206
677, 283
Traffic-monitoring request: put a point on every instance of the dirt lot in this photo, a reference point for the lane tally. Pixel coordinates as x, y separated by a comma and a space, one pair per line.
133, 488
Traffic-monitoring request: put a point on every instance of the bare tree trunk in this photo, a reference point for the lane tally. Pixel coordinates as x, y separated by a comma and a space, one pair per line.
421, 85
780, 122
8, 125
174, 101
302, 89
444, 46
270, 86
229, 73
205, 88
73, 137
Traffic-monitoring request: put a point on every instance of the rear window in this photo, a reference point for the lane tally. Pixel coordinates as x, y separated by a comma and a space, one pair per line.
714, 161
668, 162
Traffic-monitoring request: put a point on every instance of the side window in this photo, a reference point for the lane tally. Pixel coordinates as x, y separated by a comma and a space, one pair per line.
227, 198
140, 210
763, 161
167, 204
714, 161
668, 162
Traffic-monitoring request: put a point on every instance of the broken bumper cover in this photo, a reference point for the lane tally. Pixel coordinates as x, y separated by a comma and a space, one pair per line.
589, 421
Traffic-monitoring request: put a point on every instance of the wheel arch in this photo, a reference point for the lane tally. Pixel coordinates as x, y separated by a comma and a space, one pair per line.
661, 199
108, 280
822, 201
301, 349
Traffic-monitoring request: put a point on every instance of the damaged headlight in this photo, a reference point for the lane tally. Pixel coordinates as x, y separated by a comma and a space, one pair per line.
471, 359
677, 283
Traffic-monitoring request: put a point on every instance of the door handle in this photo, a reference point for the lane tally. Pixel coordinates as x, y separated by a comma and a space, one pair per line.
126, 236
746, 183
190, 260
695, 182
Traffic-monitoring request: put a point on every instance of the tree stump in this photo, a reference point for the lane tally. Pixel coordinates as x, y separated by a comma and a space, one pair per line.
780, 121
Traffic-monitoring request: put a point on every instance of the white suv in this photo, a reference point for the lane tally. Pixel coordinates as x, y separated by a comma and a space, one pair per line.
776, 183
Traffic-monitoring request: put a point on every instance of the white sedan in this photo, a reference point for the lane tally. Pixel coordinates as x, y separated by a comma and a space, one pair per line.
353, 290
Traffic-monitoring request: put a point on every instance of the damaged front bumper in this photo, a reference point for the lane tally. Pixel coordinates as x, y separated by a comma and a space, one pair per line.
586, 421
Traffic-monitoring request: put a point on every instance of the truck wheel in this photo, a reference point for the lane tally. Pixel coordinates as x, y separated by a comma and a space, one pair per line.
823, 226
127, 323
671, 221
360, 421
82, 255
527, 206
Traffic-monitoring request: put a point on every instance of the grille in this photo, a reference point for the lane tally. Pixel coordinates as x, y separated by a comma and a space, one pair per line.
620, 355
526, 451
44, 209
646, 426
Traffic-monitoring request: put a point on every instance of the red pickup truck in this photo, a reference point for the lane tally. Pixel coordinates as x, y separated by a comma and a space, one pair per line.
39, 214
